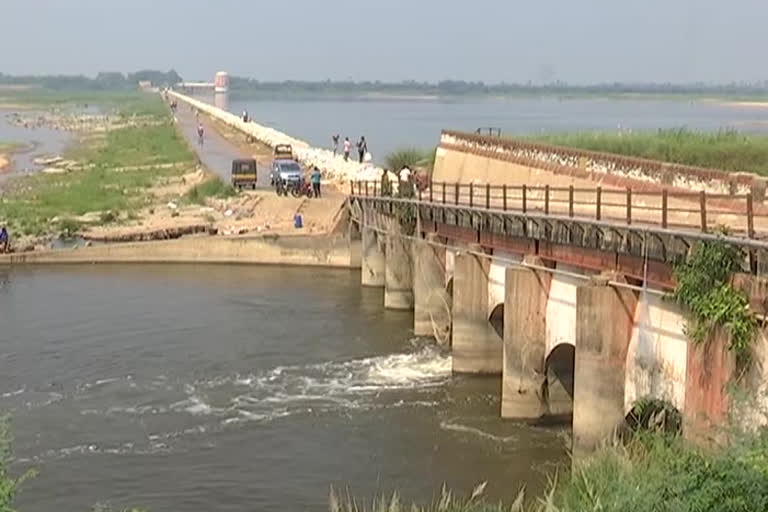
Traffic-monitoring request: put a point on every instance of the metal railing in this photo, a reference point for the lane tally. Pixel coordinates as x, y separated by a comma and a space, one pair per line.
694, 211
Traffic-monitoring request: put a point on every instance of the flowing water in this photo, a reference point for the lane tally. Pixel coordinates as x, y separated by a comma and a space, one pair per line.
202, 388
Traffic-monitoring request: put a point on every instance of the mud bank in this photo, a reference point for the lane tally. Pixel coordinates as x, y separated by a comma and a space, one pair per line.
312, 251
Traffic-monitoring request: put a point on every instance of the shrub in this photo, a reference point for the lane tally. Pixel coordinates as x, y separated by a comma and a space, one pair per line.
213, 187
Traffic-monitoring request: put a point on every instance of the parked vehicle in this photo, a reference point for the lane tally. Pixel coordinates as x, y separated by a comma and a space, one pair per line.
244, 173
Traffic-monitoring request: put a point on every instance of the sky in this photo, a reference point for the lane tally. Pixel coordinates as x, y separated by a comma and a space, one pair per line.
576, 41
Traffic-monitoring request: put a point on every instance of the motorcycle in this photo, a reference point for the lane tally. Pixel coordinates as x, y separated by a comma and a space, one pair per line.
295, 188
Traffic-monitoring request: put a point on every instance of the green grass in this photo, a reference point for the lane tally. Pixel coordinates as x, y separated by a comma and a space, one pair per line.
663, 474
135, 146
653, 472
36, 200
128, 101
410, 157
727, 150
104, 185
212, 187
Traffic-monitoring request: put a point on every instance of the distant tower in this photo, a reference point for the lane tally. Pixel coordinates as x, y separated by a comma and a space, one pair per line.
221, 83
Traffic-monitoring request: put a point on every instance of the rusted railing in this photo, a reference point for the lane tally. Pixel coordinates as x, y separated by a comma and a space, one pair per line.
698, 211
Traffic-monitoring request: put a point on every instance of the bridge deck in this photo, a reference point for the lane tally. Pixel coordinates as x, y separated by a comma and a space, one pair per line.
597, 243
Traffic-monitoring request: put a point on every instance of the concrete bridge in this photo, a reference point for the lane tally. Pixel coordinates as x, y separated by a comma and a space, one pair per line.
549, 266
569, 309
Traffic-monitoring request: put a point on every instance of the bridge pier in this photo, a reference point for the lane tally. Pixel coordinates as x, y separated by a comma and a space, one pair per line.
604, 322
432, 305
525, 342
372, 258
398, 271
476, 347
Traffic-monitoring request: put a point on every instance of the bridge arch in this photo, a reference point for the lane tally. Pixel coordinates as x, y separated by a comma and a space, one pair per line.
496, 319
558, 385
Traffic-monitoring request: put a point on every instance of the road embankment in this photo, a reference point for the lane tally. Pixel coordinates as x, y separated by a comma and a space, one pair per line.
333, 167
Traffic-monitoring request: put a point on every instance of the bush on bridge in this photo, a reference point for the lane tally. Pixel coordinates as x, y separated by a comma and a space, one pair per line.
705, 290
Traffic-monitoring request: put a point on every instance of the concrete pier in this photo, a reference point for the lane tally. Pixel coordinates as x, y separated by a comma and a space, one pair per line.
432, 304
525, 343
398, 271
372, 259
603, 330
476, 346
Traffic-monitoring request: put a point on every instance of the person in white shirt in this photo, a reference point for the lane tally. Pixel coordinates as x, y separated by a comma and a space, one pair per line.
347, 147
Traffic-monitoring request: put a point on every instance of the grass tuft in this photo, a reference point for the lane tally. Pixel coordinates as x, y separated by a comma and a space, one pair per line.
727, 150
411, 158
212, 187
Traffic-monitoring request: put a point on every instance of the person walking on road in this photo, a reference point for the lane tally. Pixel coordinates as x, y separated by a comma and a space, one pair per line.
335, 143
200, 134
362, 148
347, 147
315, 177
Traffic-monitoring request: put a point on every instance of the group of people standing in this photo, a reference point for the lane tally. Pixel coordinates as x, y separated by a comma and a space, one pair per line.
362, 147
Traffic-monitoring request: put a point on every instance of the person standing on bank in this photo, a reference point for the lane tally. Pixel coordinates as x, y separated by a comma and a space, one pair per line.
335, 143
347, 147
4, 240
315, 177
362, 148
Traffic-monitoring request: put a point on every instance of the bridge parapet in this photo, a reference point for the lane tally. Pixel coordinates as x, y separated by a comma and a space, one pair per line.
609, 169
597, 244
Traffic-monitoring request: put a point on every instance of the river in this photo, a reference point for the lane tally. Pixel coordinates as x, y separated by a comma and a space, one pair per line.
220, 387
388, 125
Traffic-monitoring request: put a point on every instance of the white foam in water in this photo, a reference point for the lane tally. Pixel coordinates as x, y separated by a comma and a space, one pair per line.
9, 394
355, 384
466, 429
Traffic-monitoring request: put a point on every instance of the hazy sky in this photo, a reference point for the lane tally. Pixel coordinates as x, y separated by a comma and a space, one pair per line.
492, 40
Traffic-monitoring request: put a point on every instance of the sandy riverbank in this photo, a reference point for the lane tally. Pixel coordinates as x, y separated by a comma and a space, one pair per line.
757, 105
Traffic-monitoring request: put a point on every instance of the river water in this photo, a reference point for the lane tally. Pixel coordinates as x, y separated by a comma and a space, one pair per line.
202, 388
388, 125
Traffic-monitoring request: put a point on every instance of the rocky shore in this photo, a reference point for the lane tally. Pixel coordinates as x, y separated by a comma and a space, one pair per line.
78, 122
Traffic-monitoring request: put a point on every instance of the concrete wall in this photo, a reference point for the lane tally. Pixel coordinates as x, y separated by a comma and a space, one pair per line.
372, 258
469, 157
710, 367
657, 356
398, 272
605, 321
561, 309
496, 277
477, 348
432, 309
326, 251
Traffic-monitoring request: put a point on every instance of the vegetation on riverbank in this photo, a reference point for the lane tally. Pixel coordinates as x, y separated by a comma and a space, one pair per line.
244, 87
728, 150
652, 473
128, 103
413, 158
9, 484
113, 174
212, 187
